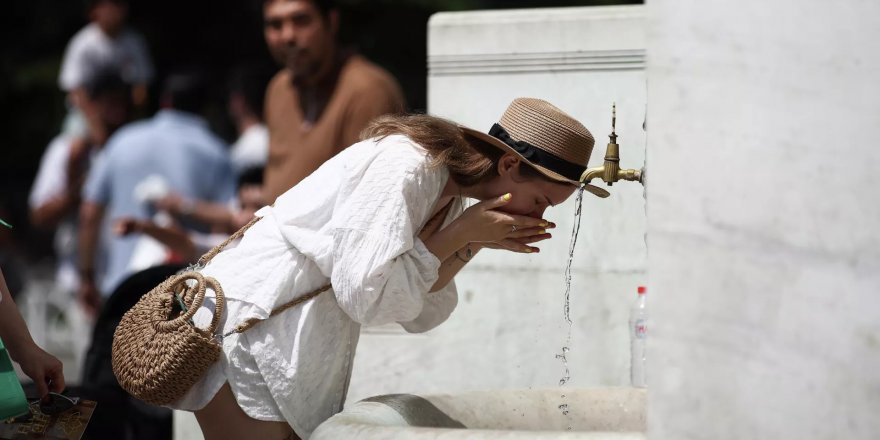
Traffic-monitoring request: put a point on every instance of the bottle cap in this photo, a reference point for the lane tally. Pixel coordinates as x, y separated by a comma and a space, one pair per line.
642, 290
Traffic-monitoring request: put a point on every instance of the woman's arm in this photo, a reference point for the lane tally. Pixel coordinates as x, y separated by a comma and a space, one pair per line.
460, 258
452, 265
481, 225
381, 271
40, 366
516, 242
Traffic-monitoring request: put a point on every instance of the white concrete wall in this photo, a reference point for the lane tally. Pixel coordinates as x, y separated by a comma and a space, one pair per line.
763, 216
509, 323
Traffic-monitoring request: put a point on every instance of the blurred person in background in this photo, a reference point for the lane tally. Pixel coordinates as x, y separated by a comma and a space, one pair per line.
175, 151
105, 43
247, 90
324, 95
55, 195
223, 219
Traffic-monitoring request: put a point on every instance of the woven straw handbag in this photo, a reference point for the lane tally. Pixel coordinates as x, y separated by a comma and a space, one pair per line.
158, 353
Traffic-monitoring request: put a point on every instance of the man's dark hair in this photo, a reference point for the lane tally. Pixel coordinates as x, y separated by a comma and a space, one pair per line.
250, 82
324, 6
251, 176
92, 3
187, 90
106, 81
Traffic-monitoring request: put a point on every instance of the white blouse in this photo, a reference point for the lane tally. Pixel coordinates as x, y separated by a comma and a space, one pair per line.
354, 222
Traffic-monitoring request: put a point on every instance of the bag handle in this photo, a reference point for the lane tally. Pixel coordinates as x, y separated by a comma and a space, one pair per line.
202, 283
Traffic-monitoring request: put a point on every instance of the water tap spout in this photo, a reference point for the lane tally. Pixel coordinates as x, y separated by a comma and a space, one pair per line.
610, 171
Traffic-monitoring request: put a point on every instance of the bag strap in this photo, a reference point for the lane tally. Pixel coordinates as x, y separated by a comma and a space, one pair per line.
252, 321
247, 324
235, 236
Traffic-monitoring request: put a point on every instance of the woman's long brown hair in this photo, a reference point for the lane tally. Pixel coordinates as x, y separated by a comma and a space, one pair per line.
469, 160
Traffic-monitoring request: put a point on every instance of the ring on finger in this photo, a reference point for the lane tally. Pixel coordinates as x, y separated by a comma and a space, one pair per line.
513, 228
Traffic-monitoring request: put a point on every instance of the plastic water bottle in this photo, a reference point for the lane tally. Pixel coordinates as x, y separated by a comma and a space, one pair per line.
638, 332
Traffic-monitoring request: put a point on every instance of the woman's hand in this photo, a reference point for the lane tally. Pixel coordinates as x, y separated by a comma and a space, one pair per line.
520, 240
45, 370
484, 224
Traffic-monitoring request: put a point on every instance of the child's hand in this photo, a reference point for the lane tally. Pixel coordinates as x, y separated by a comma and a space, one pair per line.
44, 369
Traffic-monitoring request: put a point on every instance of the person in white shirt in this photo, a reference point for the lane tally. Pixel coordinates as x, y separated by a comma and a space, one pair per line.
55, 195
105, 43
384, 223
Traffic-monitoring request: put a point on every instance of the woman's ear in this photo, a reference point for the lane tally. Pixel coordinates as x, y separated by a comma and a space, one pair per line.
508, 167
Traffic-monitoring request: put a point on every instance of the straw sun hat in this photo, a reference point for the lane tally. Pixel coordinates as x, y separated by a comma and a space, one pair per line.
545, 137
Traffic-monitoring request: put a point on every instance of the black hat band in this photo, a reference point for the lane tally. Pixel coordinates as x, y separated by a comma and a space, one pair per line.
537, 156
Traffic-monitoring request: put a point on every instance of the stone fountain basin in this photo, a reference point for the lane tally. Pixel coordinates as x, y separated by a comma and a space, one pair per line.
593, 413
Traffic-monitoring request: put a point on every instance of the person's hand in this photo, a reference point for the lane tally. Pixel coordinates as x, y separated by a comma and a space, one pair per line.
44, 369
486, 226
519, 241
89, 298
172, 203
126, 226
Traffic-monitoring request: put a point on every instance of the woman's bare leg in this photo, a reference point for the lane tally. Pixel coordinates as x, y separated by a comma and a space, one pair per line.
223, 419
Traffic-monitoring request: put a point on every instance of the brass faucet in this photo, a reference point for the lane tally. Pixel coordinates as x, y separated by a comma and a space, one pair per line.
610, 172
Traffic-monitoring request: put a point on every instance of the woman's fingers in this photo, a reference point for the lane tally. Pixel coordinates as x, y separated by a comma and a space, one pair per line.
496, 202
517, 246
487, 222
56, 377
524, 221
532, 239
527, 232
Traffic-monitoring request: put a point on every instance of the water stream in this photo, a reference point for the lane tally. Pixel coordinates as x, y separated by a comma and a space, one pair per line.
563, 356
